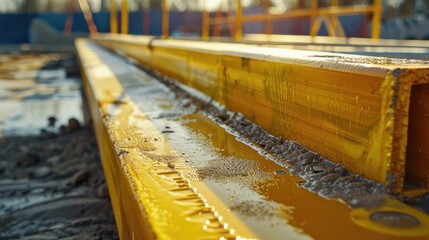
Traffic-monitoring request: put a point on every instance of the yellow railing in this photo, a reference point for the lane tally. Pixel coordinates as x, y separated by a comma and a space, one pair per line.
318, 16
114, 17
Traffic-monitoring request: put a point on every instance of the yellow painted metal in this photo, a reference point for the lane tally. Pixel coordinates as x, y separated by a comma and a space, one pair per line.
413, 49
299, 13
317, 17
113, 17
315, 22
351, 109
331, 21
362, 217
165, 19
150, 199
274, 39
238, 20
206, 19
124, 17
336, 25
376, 19
155, 200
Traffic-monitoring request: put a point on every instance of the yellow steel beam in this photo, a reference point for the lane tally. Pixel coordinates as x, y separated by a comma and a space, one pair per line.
124, 17
153, 179
150, 199
354, 110
324, 40
113, 17
416, 49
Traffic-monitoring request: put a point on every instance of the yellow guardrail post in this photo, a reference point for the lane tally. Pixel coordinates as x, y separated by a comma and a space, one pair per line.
376, 19
165, 19
269, 26
124, 17
113, 17
206, 22
238, 21
334, 22
318, 16
315, 25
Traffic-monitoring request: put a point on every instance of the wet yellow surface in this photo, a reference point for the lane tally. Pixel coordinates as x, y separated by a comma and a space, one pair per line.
351, 109
175, 174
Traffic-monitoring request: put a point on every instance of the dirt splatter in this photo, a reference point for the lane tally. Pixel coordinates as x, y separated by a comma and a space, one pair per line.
320, 175
226, 169
260, 210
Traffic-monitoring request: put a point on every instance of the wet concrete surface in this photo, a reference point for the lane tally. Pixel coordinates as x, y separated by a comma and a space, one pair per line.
52, 184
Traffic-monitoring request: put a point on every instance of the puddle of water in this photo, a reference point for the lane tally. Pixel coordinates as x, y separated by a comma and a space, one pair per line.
29, 95
28, 117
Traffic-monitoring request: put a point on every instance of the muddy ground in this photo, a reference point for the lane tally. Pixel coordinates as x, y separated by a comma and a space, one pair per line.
51, 181
52, 186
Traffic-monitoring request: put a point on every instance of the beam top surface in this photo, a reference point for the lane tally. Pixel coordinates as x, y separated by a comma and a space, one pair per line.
355, 64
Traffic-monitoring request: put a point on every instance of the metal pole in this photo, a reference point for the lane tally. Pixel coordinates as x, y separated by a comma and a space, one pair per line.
206, 22
69, 21
238, 21
165, 19
113, 17
376, 19
313, 27
124, 17
88, 16
146, 22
